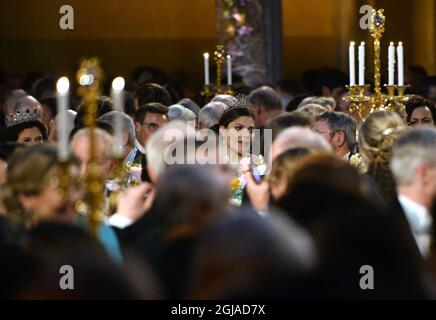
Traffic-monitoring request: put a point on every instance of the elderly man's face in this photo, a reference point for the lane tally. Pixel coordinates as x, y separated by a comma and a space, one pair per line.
80, 148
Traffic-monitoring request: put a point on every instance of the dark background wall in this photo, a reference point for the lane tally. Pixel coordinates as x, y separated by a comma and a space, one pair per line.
173, 34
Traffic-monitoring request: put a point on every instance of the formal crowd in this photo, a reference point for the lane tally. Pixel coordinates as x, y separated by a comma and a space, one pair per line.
331, 203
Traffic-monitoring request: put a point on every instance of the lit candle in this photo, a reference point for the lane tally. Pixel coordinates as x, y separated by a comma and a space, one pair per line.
352, 64
400, 57
391, 62
62, 86
362, 64
229, 70
206, 68
117, 95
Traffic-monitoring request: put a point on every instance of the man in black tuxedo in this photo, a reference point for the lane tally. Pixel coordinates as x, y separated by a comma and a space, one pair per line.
413, 165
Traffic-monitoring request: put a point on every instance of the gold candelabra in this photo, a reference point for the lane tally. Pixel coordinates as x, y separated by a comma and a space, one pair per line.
363, 103
209, 91
89, 77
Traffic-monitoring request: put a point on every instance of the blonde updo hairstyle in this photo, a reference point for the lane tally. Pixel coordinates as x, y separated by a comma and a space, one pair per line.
376, 138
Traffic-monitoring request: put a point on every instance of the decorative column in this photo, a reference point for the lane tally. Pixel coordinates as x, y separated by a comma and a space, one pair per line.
250, 30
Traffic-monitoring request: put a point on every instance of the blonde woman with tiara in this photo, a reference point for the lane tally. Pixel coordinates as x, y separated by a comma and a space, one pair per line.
376, 137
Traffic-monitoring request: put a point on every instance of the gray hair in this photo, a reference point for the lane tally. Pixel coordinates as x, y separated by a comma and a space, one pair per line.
412, 148
179, 112
127, 124
100, 135
168, 135
190, 104
228, 100
210, 114
326, 102
339, 121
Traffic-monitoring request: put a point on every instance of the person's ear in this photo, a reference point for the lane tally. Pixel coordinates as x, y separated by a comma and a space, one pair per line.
421, 174
27, 202
339, 138
137, 127
125, 138
326, 91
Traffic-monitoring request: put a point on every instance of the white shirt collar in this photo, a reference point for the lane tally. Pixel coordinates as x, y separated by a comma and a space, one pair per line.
420, 222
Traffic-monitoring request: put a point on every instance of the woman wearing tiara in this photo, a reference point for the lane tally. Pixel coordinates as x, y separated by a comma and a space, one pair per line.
24, 127
236, 131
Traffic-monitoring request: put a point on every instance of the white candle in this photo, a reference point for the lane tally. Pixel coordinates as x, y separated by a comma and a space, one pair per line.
117, 95
62, 86
229, 70
352, 64
391, 63
400, 57
362, 64
206, 68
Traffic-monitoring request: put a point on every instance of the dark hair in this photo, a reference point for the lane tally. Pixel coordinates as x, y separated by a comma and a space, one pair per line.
44, 88
11, 133
295, 102
177, 206
416, 102
288, 119
51, 105
104, 105
232, 114
339, 121
152, 92
152, 107
175, 90
265, 97
157, 75
100, 124
129, 104
288, 86
7, 149
331, 78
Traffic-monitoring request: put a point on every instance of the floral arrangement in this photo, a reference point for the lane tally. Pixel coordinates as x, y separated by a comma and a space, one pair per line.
131, 176
238, 182
357, 161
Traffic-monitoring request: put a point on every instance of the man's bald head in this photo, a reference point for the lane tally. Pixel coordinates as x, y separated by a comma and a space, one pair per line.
298, 137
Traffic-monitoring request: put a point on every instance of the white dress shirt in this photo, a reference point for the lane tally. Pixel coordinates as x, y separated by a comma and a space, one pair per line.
420, 222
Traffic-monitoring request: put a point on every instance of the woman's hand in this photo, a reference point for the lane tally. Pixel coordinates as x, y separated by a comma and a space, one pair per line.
258, 193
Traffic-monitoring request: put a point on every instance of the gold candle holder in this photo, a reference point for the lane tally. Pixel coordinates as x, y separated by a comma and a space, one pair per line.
219, 58
64, 179
229, 90
358, 100
207, 93
89, 77
395, 98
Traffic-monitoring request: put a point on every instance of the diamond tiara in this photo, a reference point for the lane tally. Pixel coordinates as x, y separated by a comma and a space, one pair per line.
18, 117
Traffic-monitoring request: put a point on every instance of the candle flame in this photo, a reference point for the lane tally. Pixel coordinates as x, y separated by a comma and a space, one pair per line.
63, 85
391, 43
362, 43
206, 55
352, 43
228, 56
400, 43
118, 84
